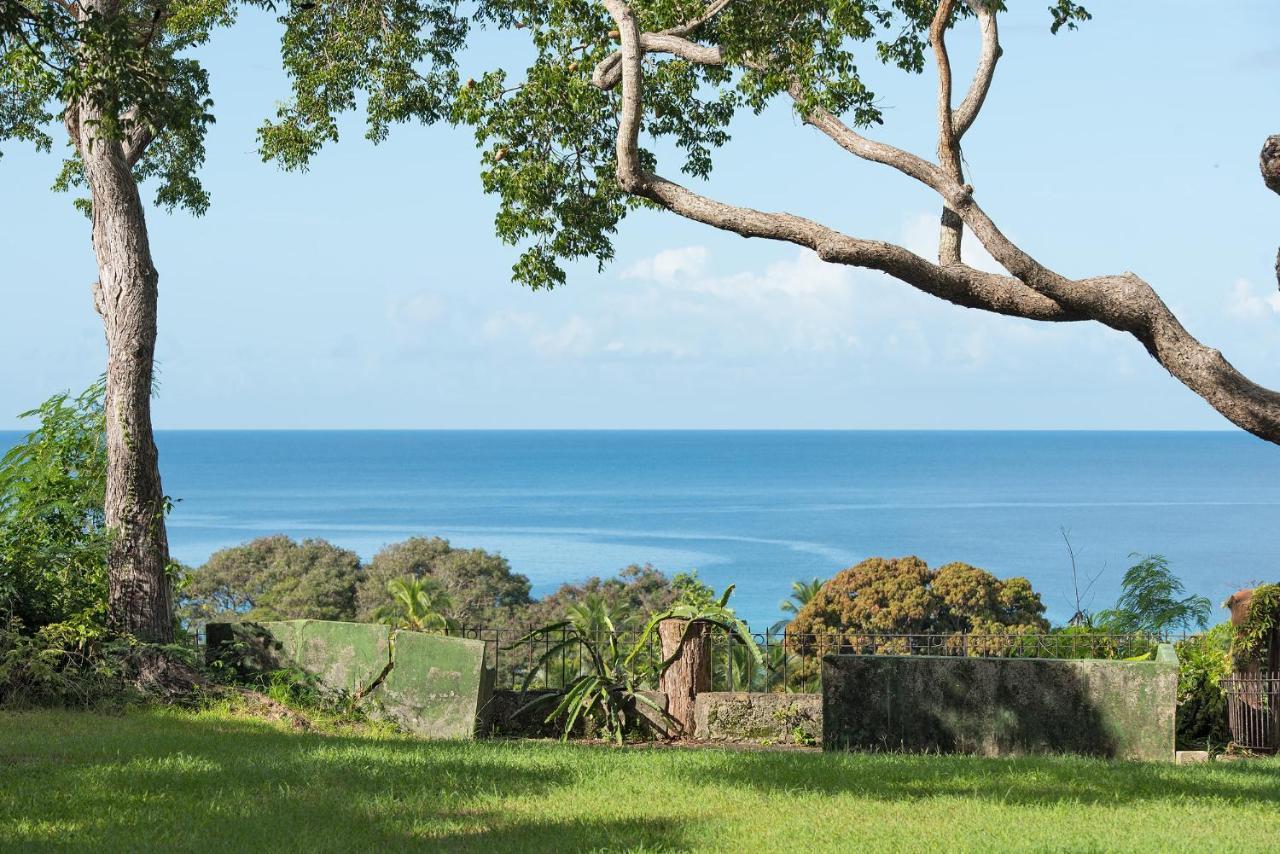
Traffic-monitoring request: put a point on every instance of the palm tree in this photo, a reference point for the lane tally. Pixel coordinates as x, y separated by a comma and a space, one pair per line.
801, 593
419, 604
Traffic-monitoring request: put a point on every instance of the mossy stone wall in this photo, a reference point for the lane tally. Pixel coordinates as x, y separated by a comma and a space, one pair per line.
1001, 706
428, 684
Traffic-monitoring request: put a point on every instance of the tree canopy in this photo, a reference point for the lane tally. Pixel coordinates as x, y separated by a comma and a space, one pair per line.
274, 578
477, 585
904, 596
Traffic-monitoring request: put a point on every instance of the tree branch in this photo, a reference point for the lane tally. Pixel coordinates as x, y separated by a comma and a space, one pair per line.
951, 230
1270, 163
141, 136
1123, 302
607, 73
985, 73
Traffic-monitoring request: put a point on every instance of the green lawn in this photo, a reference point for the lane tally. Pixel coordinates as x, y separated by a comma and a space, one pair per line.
211, 782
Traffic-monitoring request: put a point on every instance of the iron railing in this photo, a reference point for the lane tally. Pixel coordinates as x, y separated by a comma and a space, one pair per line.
791, 661
1253, 710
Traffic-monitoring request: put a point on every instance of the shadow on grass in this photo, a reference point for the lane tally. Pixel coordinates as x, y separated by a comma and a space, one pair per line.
1034, 780
137, 781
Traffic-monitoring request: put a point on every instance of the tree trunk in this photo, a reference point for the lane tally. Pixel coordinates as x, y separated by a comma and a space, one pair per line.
140, 592
690, 672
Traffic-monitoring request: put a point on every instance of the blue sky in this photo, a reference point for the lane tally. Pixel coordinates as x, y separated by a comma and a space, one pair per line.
371, 292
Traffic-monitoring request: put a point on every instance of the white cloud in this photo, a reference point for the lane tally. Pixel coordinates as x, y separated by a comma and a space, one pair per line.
1245, 302
669, 265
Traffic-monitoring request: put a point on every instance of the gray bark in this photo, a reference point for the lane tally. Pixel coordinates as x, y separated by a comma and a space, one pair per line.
1270, 163
140, 599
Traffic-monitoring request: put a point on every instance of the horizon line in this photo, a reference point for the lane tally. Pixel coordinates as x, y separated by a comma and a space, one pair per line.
1222, 430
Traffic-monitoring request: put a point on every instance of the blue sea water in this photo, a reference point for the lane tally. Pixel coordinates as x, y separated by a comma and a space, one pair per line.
759, 509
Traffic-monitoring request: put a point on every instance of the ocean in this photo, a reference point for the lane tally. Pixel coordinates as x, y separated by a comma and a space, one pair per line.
756, 509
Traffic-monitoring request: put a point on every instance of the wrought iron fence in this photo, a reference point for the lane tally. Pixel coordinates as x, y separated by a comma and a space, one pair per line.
791, 662
1253, 709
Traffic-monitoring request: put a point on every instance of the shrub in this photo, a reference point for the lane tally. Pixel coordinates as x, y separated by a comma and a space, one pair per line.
1202, 710
1252, 636
53, 539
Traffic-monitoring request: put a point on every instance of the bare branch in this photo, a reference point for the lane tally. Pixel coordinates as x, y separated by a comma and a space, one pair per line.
967, 112
951, 230
1123, 302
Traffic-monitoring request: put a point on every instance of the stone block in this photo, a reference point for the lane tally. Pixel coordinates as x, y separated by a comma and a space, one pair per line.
758, 717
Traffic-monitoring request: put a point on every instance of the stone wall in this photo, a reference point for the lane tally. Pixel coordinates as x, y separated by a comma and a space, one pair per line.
1001, 706
758, 718
429, 685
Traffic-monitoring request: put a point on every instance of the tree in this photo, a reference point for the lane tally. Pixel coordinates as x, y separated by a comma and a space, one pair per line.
135, 107
1151, 602
273, 578
636, 591
801, 593
478, 585
53, 541
904, 596
420, 604
570, 149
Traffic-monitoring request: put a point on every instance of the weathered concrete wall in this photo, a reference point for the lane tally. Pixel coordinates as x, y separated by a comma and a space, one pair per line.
1002, 706
428, 684
757, 717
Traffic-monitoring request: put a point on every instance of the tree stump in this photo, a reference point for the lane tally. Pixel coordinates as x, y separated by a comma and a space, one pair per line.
689, 673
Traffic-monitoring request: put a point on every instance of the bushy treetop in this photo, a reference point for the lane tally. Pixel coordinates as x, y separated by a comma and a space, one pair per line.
904, 596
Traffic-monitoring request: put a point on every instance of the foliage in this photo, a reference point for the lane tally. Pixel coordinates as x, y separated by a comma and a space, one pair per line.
612, 671
37, 670
701, 610
1202, 707
635, 590
65, 665
479, 585
273, 578
1252, 636
1151, 602
607, 688
801, 593
690, 590
128, 63
420, 604
53, 539
397, 57
549, 134
904, 596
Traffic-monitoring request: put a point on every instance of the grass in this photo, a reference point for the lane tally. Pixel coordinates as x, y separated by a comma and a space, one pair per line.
214, 780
